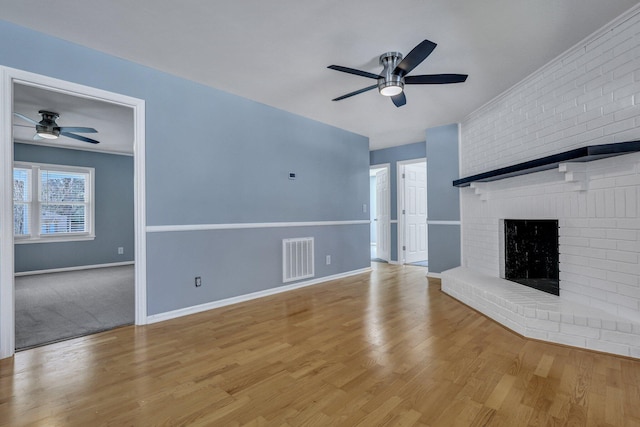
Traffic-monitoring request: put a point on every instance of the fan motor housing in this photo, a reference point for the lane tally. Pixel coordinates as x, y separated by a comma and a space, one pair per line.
388, 79
48, 125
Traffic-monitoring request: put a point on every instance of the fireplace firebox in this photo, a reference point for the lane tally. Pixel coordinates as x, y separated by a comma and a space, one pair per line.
531, 253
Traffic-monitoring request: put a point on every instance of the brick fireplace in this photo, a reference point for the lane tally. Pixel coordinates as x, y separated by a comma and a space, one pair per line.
588, 96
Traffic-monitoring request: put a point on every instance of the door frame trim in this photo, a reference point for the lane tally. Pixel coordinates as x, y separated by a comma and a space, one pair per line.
9, 77
400, 203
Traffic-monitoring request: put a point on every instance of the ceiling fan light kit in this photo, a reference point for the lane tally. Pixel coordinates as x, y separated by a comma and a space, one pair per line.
394, 76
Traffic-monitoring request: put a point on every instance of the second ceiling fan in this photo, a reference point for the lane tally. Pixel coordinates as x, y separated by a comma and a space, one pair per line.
47, 128
395, 74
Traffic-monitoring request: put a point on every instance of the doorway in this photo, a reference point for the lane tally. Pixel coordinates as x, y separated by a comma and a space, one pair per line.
10, 78
380, 212
412, 212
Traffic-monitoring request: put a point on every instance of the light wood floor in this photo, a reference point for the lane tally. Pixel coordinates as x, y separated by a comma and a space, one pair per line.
386, 348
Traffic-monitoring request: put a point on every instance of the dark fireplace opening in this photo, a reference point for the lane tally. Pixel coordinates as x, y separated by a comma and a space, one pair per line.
531, 253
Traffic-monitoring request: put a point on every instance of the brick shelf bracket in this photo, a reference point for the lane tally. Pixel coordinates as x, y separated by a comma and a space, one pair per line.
575, 173
480, 189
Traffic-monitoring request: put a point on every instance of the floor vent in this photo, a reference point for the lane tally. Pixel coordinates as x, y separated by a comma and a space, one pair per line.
297, 259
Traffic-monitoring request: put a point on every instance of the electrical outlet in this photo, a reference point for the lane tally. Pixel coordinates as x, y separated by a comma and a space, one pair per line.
328, 259
364, 208
198, 281
120, 250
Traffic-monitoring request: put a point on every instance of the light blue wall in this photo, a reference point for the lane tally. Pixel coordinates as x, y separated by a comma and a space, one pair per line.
393, 155
113, 216
211, 158
443, 203
443, 200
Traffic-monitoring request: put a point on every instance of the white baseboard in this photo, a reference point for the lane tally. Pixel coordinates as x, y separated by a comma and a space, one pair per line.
434, 275
80, 267
247, 297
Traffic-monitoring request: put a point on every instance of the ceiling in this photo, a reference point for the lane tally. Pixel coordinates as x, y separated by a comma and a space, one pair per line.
113, 122
276, 52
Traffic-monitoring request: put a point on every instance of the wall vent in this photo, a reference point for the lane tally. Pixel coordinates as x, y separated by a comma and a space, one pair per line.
297, 259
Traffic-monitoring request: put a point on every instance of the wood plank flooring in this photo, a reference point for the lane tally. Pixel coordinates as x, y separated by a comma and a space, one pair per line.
381, 348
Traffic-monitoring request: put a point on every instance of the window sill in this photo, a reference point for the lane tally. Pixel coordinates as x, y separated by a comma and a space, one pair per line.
53, 239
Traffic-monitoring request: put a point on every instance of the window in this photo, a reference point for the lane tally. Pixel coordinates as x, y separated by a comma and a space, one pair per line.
52, 203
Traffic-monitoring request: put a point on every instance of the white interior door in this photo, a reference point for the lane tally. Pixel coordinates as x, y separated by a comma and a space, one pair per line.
382, 214
415, 212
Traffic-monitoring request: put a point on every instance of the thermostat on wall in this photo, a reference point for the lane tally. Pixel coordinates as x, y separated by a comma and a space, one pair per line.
292, 175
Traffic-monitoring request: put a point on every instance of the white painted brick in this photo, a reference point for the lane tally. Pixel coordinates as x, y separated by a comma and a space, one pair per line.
574, 241
632, 292
624, 46
595, 233
554, 316
609, 324
610, 207
629, 135
536, 334
598, 103
543, 325
622, 301
629, 223
621, 338
603, 244
566, 318
609, 347
542, 314
568, 339
631, 203
628, 257
627, 180
610, 265
624, 278
595, 323
579, 320
622, 235
547, 114
634, 316
579, 331
620, 202
621, 78
620, 126
602, 223
624, 327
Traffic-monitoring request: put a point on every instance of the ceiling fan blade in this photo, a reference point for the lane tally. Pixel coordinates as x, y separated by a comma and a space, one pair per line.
415, 57
399, 100
355, 92
435, 79
77, 129
354, 71
79, 137
23, 117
